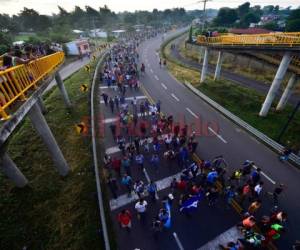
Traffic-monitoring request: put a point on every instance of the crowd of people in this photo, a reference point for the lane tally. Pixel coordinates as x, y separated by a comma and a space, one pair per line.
22, 54
145, 136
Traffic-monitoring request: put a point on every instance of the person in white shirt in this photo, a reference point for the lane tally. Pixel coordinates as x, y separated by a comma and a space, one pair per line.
141, 207
258, 188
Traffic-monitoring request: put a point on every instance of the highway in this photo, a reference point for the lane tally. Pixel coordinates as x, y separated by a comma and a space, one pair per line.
220, 137
237, 145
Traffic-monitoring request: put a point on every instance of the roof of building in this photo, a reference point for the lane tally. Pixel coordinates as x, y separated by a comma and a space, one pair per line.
249, 31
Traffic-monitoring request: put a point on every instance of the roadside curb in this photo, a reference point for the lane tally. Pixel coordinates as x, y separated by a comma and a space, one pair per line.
261, 136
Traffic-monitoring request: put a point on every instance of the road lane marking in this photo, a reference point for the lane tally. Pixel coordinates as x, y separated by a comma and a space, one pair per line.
156, 77
131, 98
148, 65
164, 86
175, 97
114, 87
192, 113
216, 134
266, 176
146, 175
123, 199
111, 120
180, 247
115, 119
151, 70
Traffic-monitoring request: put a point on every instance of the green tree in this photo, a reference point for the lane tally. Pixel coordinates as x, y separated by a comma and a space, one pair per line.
249, 18
293, 21
243, 9
29, 19
271, 26
226, 17
5, 42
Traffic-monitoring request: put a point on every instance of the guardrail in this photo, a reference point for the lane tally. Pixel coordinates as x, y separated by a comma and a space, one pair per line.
16, 82
290, 39
261, 136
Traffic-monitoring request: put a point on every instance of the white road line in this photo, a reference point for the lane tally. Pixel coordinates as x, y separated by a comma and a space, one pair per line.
131, 98
146, 175
123, 200
110, 120
175, 97
151, 70
156, 77
180, 247
112, 87
192, 113
148, 64
115, 119
219, 136
267, 177
164, 86
112, 150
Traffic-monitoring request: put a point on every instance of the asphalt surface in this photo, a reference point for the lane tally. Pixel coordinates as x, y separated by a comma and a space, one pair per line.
233, 143
244, 81
219, 136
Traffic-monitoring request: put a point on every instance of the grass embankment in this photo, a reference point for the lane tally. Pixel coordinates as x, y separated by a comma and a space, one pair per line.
243, 102
52, 212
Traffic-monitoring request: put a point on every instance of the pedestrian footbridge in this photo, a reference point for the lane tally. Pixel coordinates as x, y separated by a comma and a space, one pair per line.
284, 45
19, 82
272, 41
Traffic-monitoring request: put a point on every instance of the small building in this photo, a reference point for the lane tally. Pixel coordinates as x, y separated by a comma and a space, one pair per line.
98, 33
78, 47
118, 33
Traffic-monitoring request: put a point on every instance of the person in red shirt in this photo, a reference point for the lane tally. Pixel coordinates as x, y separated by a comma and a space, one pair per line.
116, 165
124, 218
181, 185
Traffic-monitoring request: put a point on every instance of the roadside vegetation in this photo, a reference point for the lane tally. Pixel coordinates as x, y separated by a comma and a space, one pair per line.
241, 101
52, 212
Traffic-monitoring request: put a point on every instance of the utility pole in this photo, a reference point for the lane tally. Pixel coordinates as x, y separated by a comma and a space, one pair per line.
204, 16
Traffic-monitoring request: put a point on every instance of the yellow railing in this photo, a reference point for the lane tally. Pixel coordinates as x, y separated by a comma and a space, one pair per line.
272, 39
16, 82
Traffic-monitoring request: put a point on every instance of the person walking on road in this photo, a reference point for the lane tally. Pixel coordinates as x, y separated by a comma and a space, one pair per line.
127, 182
152, 190
155, 161
139, 188
111, 104
285, 154
141, 207
277, 191
124, 218
140, 161
105, 98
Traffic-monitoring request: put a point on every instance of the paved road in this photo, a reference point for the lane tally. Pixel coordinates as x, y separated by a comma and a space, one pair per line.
259, 86
233, 143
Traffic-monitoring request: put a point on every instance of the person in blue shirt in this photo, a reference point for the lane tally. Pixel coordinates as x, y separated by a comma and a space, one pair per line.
140, 160
212, 177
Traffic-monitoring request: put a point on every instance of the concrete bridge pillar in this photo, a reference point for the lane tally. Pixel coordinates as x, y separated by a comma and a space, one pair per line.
12, 172
276, 83
62, 89
287, 92
218, 66
204, 66
42, 105
42, 128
